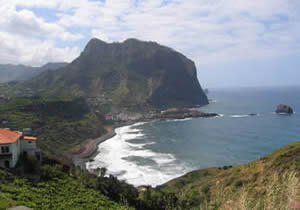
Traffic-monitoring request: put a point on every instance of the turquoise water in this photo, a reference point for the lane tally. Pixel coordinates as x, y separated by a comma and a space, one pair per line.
155, 152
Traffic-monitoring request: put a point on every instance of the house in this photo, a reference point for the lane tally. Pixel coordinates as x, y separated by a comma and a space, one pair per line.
3, 97
108, 117
13, 144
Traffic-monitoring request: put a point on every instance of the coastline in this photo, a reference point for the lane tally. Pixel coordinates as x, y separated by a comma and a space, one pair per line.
90, 146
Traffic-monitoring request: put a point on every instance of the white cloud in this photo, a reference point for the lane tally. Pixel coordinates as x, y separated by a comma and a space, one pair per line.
226, 30
208, 31
25, 22
18, 50
28, 39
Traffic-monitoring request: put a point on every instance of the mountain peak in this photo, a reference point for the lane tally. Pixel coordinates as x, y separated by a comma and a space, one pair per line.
126, 73
94, 44
96, 41
132, 40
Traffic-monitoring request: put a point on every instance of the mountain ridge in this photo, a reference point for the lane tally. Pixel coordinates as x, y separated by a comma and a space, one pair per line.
131, 72
11, 72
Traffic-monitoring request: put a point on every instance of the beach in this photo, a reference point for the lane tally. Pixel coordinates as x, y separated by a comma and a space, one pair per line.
88, 149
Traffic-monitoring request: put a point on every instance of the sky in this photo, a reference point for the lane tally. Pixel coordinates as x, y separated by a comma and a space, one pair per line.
232, 42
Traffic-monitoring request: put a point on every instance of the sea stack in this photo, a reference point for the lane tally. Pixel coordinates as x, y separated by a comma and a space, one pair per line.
284, 109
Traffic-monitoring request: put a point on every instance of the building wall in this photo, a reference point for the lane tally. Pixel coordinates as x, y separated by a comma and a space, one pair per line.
2, 163
27, 145
14, 150
15, 153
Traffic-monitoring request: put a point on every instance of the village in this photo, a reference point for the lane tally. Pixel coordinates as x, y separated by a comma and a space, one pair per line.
127, 116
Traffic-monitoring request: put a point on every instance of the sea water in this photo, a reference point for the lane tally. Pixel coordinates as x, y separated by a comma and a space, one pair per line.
248, 128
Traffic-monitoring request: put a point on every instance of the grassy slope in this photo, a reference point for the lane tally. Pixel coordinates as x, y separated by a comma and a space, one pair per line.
61, 124
269, 183
62, 191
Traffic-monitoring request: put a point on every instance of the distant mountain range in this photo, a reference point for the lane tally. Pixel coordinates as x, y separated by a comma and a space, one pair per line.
10, 72
132, 72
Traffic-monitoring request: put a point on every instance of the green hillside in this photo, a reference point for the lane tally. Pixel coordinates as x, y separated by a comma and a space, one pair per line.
60, 123
269, 183
57, 188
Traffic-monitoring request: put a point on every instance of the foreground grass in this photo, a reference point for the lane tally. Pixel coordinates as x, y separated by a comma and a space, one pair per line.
269, 183
58, 187
57, 194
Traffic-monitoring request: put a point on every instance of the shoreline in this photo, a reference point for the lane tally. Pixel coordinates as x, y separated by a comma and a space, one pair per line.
90, 146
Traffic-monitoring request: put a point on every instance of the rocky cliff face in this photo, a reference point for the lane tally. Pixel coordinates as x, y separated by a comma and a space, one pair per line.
131, 72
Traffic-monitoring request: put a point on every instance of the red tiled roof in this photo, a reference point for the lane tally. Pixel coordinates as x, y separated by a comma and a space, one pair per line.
29, 138
9, 137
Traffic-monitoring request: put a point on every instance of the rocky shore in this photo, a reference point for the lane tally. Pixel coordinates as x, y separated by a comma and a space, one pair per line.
182, 114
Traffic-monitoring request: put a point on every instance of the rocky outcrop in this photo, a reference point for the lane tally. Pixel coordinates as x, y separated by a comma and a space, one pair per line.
129, 73
182, 114
284, 109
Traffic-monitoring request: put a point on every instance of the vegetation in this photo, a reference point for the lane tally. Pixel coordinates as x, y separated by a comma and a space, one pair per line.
56, 189
269, 183
60, 123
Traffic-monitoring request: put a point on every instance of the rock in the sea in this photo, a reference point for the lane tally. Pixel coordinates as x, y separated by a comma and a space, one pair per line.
252, 114
283, 108
175, 113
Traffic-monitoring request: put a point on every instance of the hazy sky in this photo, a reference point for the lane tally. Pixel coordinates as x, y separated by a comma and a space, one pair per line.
233, 42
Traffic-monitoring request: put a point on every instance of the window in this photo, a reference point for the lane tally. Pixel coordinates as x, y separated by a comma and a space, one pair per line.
29, 142
5, 149
6, 163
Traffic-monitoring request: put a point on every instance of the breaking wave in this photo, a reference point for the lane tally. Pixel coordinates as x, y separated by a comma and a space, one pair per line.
134, 161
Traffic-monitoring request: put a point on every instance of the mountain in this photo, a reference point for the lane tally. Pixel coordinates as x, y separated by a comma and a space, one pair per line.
129, 73
10, 72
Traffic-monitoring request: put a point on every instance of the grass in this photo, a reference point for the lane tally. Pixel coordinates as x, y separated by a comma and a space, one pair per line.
269, 183
62, 192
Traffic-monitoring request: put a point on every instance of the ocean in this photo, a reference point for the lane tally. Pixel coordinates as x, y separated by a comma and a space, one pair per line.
155, 152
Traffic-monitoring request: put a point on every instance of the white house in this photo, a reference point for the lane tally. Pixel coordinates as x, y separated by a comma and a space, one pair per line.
12, 145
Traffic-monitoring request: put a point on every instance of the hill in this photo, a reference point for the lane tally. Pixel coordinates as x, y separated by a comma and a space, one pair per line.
129, 73
10, 72
60, 123
54, 186
271, 182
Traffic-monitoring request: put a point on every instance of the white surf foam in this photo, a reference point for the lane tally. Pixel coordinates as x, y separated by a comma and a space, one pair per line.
179, 120
212, 101
239, 115
118, 155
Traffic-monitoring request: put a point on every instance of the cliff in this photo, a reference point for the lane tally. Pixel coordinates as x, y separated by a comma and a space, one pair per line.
129, 73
